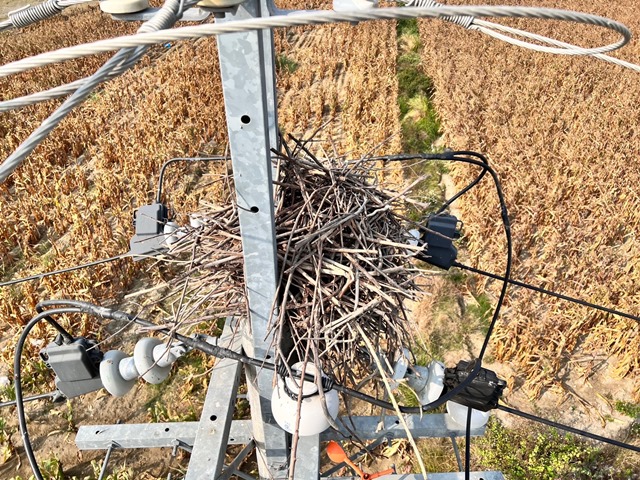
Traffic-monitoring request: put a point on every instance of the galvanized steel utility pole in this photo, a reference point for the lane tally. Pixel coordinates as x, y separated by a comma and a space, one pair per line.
248, 81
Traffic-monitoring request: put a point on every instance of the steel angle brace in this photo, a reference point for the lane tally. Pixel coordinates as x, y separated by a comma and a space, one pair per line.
212, 436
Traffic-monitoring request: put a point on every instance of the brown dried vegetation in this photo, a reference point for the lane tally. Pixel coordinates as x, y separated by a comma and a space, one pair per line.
563, 134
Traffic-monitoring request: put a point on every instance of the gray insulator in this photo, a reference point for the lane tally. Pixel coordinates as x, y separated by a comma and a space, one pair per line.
29, 15
146, 363
112, 379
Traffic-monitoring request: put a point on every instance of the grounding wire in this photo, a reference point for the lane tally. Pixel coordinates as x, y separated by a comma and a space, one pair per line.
325, 17
567, 428
39, 276
17, 382
551, 293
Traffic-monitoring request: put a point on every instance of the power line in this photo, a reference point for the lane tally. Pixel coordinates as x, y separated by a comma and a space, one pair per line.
567, 428
322, 18
40, 276
549, 292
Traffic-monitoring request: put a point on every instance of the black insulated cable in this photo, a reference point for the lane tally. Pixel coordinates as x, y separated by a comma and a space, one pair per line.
40, 276
569, 429
549, 292
17, 382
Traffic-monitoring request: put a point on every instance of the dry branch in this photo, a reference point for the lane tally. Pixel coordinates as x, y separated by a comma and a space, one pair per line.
344, 268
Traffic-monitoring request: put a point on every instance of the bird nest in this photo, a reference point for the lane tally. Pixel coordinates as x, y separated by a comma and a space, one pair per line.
344, 269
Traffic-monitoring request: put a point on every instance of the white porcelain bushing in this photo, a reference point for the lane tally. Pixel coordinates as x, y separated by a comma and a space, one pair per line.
459, 414
427, 382
146, 363
312, 418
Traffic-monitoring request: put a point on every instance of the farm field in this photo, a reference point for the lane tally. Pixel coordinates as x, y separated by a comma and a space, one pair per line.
561, 132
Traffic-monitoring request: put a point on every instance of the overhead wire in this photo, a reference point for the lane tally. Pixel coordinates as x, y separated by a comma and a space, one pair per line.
567, 428
321, 18
494, 30
551, 293
311, 18
40, 276
128, 56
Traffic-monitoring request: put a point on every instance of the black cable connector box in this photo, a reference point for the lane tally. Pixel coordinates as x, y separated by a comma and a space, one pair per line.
438, 237
484, 391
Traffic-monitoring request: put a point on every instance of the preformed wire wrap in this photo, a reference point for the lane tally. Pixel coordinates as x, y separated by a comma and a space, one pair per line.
27, 16
463, 20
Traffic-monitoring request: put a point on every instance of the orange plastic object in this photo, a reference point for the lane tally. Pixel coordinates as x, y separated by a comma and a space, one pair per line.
337, 455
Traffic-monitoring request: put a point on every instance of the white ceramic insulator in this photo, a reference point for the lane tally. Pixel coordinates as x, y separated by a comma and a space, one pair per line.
413, 237
350, 5
117, 7
165, 356
196, 220
459, 414
172, 233
427, 382
312, 417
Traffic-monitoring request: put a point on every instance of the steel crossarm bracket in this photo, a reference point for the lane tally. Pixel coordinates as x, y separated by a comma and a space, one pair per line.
432, 425
152, 435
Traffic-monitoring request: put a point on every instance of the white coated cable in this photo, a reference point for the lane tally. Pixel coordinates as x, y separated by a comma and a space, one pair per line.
63, 90
319, 18
492, 29
164, 18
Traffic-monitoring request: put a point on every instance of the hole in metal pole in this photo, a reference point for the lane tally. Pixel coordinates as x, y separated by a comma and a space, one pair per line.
246, 119
254, 209
166, 429
213, 418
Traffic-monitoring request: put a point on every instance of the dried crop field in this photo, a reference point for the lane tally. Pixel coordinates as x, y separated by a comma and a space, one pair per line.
563, 134
73, 199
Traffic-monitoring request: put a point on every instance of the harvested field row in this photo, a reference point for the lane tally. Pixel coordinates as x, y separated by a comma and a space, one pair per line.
563, 134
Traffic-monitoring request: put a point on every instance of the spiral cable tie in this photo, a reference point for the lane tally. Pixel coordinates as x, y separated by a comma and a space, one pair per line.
463, 20
29, 15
